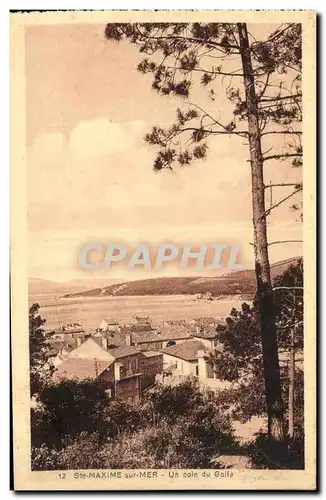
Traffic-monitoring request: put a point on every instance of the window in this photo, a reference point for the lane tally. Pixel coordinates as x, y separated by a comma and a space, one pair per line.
197, 370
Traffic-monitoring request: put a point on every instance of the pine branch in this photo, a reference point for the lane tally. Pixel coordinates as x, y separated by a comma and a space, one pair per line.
202, 70
275, 35
280, 98
291, 132
278, 157
284, 241
283, 184
208, 43
265, 86
242, 133
267, 212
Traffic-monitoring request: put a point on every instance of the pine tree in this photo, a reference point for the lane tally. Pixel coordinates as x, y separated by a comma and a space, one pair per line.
37, 346
266, 102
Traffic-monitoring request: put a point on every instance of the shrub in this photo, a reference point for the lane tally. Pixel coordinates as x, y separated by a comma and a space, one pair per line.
267, 453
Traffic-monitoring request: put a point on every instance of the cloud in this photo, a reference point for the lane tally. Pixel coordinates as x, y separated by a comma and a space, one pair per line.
103, 172
100, 178
100, 138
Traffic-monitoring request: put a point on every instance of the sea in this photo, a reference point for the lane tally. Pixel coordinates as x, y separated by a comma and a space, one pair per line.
89, 311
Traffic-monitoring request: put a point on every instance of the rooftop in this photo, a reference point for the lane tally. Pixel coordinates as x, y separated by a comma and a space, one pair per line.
122, 352
207, 333
205, 320
90, 349
61, 344
136, 328
80, 368
110, 321
165, 334
151, 354
185, 350
68, 329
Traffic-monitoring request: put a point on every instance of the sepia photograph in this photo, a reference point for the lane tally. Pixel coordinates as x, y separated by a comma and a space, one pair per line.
163, 250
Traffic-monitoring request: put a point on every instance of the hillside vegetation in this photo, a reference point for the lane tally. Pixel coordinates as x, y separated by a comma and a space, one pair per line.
233, 283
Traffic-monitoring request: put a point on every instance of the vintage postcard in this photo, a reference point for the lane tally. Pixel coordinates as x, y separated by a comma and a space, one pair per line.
163, 203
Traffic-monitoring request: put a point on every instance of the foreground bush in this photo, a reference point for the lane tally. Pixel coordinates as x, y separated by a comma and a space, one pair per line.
177, 427
270, 454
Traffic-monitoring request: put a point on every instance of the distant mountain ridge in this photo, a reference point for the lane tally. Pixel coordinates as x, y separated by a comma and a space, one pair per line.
42, 286
233, 283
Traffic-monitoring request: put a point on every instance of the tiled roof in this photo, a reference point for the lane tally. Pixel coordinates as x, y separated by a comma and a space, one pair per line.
175, 322
90, 349
111, 321
186, 350
115, 340
122, 352
207, 333
66, 329
205, 320
80, 368
61, 344
136, 328
170, 333
151, 354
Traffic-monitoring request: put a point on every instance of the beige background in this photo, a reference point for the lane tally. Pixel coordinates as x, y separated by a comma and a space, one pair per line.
25, 238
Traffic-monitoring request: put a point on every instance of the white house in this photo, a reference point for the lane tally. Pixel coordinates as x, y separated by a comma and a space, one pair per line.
182, 359
108, 324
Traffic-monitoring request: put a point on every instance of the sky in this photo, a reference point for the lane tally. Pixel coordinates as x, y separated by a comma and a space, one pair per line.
90, 176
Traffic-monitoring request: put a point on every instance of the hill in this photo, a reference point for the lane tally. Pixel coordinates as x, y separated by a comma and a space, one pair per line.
233, 283
38, 286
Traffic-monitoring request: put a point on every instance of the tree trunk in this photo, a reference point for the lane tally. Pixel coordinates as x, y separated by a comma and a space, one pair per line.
291, 386
262, 268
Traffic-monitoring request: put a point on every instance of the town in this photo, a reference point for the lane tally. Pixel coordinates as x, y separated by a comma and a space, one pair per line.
130, 358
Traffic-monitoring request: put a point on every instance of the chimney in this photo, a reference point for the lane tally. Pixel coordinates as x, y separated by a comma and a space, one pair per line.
128, 339
105, 343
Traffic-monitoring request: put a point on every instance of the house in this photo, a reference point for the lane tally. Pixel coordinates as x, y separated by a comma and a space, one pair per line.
173, 322
155, 340
127, 374
204, 321
190, 359
55, 356
142, 320
118, 368
69, 331
108, 324
58, 350
182, 359
150, 364
128, 328
208, 336
109, 339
